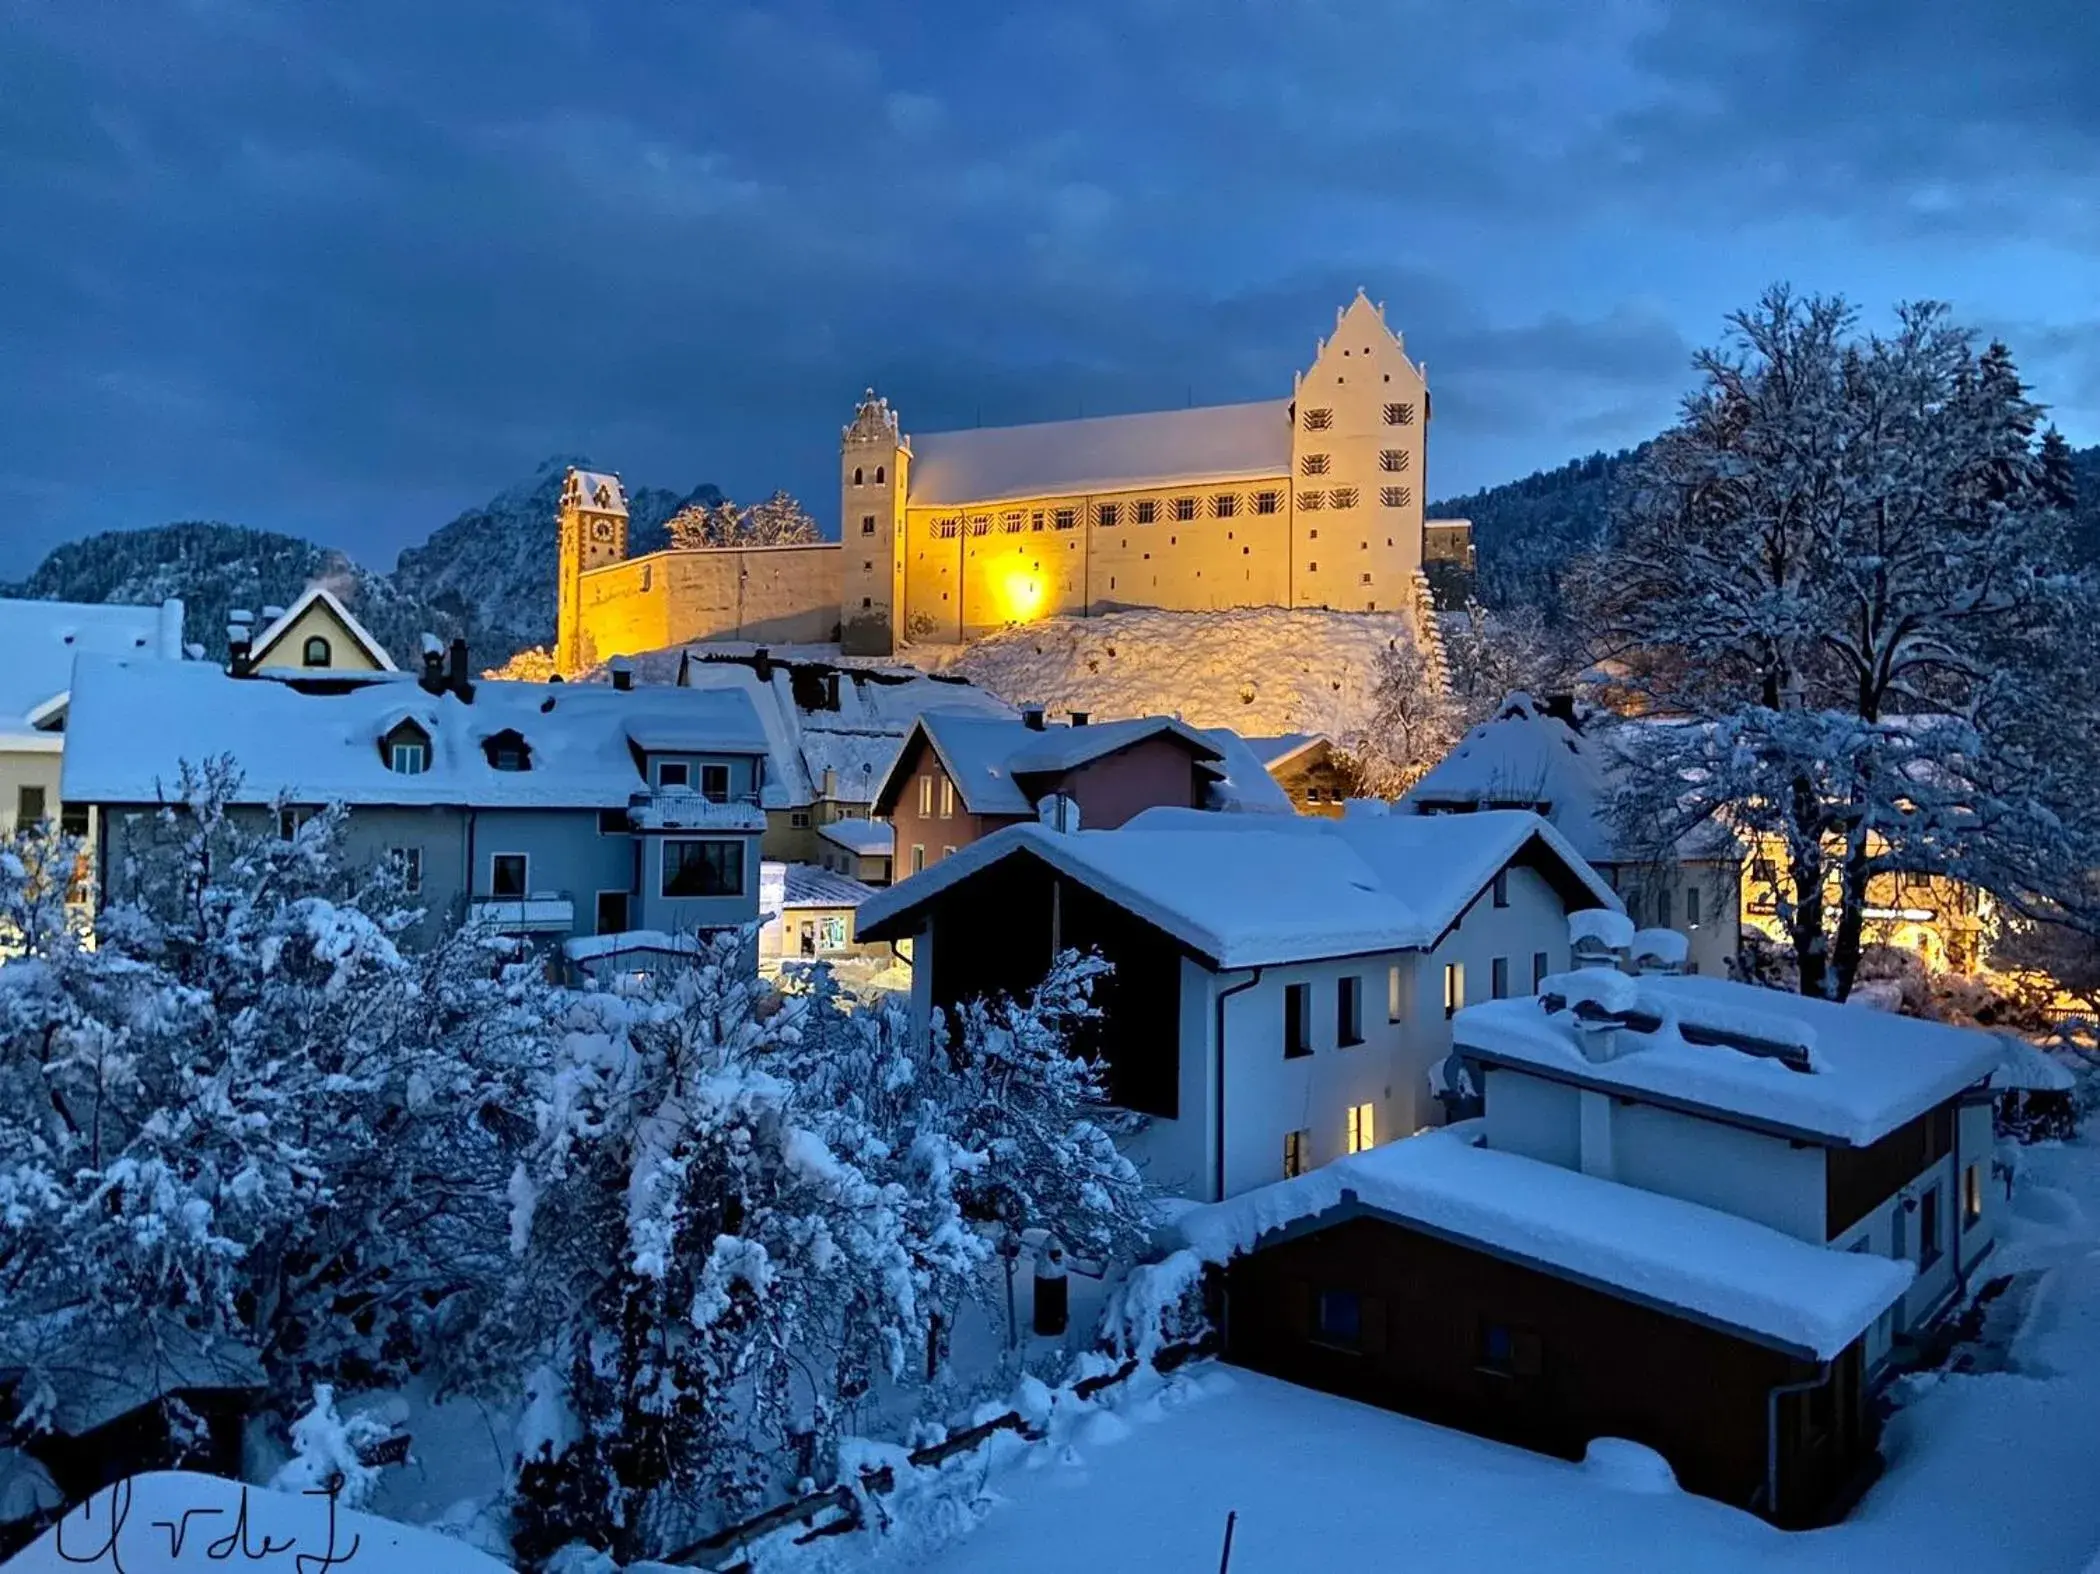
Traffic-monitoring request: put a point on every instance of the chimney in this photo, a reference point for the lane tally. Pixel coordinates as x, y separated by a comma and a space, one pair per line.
622, 673
1032, 717
831, 691
433, 678
762, 664
240, 641
1079, 718
456, 678
1561, 707
1597, 1034
169, 630
831, 781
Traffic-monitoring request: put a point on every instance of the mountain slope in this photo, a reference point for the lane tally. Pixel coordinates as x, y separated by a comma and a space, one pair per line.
1523, 531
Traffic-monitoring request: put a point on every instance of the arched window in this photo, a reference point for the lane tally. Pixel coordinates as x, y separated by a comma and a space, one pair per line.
317, 653
878, 475
856, 475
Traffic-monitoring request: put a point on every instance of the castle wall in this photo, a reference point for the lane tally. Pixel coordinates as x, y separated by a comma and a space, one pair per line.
780, 595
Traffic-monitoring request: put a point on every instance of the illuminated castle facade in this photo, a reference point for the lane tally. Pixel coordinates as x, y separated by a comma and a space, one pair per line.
1311, 501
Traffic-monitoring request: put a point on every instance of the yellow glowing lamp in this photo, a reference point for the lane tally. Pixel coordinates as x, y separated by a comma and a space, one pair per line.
1023, 595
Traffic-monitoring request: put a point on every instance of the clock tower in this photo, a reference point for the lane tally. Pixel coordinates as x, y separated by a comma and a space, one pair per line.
593, 533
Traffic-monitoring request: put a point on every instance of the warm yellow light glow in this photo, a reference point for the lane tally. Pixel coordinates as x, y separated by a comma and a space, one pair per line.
1362, 1134
1021, 595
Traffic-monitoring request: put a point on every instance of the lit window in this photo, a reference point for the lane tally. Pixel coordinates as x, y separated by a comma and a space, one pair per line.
947, 799
1393, 459
1297, 1021
703, 868
1399, 415
1395, 496
1313, 464
1184, 508
1395, 995
1295, 1144
1971, 1197
507, 876
1268, 502
1106, 515
926, 797
1318, 420
1307, 501
1348, 1011
1361, 1132
1343, 497
1454, 987
1224, 505
1145, 510
1065, 518
918, 858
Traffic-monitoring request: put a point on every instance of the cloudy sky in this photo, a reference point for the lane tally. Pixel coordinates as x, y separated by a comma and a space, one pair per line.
344, 269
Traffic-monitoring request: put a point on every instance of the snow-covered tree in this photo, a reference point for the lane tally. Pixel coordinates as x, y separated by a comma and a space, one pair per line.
328, 1452
1840, 585
1492, 653
778, 521
1412, 725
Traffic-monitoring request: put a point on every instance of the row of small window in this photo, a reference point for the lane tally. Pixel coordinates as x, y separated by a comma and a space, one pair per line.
926, 797
1346, 497
1152, 511
1663, 908
1349, 1001
1930, 1245
33, 808
858, 472
691, 866
1390, 460
1397, 413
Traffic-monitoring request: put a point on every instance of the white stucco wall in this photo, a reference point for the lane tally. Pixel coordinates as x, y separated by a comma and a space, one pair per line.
1532, 1116
1741, 1172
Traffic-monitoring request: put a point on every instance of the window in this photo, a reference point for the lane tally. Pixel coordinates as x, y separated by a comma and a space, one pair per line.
1540, 967
947, 799
714, 783
1294, 1152
798, 819
1633, 908
878, 475
1297, 1021
918, 858
1392, 460
73, 819
1501, 888
613, 822
1268, 502
1929, 1227
866, 602
1106, 515
29, 807
1899, 1231
1035, 520
507, 752
1395, 496
1363, 1132
867, 524
1498, 978
1314, 464
856, 475
1011, 522
507, 876
1971, 1197
316, 653
407, 863
1145, 510
1513, 1352
1400, 415
1691, 906
1454, 988
1349, 1011
1395, 995
1318, 420
926, 797
948, 852
1065, 518
1307, 501
1342, 497
703, 868
1341, 1318
946, 529
1184, 508
1363, 579
1312, 568
409, 758
1662, 908
289, 821
1224, 505
674, 773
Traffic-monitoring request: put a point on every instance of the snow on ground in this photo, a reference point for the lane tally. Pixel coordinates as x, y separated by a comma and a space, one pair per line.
1988, 1468
1261, 671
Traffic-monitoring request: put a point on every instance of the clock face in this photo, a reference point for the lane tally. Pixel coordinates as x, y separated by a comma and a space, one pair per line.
602, 530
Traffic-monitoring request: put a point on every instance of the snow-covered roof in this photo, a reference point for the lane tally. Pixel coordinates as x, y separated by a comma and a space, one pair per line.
1712, 1267
594, 489
134, 722
2026, 1068
1524, 758
1111, 453
869, 838
1868, 1071
1246, 785
809, 885
987, 757
1273, 752
40, 639
96, 1382
322, 596
1281, 889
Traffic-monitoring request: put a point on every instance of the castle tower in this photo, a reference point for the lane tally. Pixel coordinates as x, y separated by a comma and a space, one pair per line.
874, 459
593, 534
1357, 456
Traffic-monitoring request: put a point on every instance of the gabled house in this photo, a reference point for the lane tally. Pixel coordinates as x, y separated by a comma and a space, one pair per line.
859, 849
315, 634
958, 778
553, 810
1307, 768
1282, 986
1547, 757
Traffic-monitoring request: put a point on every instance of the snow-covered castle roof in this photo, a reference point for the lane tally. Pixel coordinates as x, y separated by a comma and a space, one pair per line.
597, 490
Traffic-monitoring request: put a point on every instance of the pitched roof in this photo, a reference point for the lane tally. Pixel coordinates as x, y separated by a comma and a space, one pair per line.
810, 885
40, 639
1869, 1071
869, 838
988, 758
1226, 442
598, 490
319, 595
1710, 1267
1276, 751
1245, 891
135, 722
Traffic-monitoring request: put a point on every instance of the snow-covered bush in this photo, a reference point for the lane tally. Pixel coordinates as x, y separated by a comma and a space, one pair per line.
327, 1452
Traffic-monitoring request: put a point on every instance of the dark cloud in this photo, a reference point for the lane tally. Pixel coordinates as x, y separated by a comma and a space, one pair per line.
345, 269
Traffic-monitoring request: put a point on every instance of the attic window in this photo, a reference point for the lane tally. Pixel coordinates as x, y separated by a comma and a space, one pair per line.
508, 751
406, 751
316, 652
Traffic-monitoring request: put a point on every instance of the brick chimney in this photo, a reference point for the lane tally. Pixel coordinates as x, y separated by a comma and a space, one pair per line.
622, 673
1079, 718
1032, 717
456, 678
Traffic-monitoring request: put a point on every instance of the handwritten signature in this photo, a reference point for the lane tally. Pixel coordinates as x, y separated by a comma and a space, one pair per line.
239, 1539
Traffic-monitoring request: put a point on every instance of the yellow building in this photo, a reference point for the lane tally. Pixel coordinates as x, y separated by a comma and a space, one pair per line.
1946, 923
1311, 501
316, 633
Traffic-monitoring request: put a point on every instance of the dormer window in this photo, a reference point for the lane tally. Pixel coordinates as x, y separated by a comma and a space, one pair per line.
673, 773
316, 653
507, 751
406, 749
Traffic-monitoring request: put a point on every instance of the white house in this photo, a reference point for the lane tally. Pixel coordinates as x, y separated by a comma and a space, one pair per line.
1839, 1125
1282, 985
1547, 757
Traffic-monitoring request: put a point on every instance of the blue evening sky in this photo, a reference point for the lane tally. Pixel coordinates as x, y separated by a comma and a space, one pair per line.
345, 268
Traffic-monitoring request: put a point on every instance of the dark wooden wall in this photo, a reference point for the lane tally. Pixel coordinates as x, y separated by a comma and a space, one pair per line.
1856, 1181
1590, 1365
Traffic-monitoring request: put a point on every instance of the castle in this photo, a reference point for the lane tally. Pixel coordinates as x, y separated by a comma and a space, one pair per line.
1311, 501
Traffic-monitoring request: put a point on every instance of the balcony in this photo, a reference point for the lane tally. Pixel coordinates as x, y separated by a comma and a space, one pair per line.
542, 913
683, 809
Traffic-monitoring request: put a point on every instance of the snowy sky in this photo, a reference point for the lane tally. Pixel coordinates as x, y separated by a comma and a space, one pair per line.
345, 269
